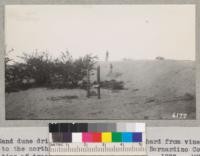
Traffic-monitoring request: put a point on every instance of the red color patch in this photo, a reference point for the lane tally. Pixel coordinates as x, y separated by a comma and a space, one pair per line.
96, 137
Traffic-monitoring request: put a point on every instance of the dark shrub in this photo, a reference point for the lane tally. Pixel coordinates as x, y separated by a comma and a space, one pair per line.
40, 70
113, 84
160, 58
188, 96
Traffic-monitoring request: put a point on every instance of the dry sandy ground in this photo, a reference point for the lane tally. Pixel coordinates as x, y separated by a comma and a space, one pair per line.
155, 90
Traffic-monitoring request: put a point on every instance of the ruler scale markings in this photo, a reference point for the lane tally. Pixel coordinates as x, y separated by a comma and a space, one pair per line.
77, 148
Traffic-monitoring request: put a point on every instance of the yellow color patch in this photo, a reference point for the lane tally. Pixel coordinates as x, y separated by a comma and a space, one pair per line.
106, 137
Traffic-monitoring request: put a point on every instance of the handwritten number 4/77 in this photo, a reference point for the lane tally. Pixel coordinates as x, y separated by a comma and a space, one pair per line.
179, 115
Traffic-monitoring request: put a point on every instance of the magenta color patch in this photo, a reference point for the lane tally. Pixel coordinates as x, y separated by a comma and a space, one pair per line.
87, 137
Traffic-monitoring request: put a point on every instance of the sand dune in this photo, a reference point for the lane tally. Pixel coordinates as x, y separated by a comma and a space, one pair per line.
154, 90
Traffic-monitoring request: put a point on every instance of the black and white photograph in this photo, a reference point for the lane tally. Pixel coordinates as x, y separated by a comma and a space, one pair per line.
100, 62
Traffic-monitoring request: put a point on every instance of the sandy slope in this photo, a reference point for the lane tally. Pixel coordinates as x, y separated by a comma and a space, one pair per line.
155, 90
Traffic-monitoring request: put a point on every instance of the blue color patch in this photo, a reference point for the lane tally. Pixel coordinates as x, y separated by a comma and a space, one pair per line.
137, 137
127, 137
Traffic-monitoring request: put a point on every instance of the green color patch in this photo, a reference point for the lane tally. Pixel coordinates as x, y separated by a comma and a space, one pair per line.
116, 137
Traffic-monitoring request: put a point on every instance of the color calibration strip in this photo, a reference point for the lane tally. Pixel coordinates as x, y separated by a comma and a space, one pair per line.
97, 139
97, 127
96, 132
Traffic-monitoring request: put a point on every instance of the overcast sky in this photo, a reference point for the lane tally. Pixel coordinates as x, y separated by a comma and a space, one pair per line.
126, 31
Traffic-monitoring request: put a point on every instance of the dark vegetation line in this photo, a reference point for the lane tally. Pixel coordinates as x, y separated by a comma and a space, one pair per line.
41, 70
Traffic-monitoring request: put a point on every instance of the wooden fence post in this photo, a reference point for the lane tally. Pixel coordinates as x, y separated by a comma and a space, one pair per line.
98, 82
88, 83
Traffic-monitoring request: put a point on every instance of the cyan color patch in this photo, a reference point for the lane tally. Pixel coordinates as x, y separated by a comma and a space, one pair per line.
127, 137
